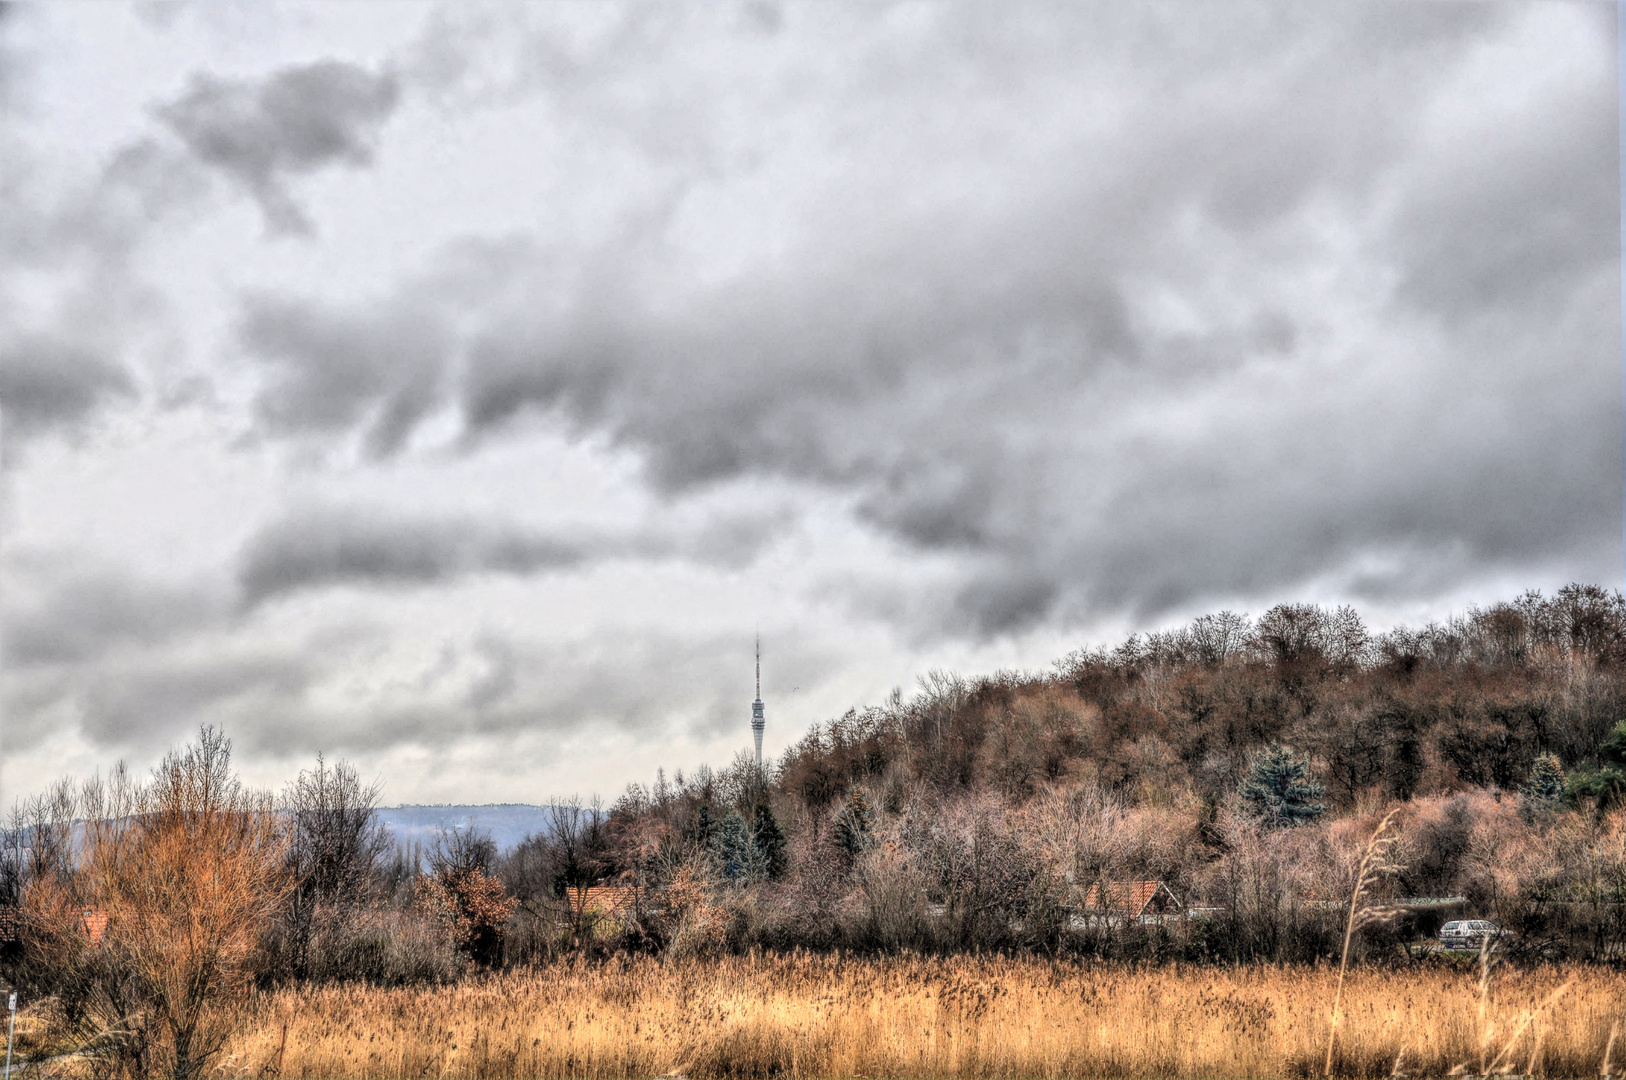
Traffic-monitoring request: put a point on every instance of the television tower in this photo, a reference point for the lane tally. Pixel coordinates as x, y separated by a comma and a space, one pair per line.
758, 721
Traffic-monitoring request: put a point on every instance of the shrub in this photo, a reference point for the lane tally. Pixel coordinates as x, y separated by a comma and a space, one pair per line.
854, 823
473, 905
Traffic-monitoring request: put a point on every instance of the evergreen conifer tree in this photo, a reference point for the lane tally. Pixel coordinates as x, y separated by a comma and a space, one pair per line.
1546, 783
854, 822
704, 827
1278, 791
770, 841
735, 852
1607, 783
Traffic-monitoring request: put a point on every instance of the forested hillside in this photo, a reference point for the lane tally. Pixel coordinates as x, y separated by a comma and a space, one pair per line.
1412, 713
977, 813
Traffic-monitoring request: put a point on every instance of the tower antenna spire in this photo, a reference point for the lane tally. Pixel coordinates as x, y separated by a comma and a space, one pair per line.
758, 721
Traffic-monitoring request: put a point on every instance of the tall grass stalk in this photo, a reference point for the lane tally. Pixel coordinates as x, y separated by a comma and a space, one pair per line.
1374, 866
1528, 1017
920, 1018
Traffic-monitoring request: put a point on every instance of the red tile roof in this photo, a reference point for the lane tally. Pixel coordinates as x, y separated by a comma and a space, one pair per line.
604, 899
1132, 898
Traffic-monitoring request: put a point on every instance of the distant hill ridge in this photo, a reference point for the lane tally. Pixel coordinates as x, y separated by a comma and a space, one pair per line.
508, 824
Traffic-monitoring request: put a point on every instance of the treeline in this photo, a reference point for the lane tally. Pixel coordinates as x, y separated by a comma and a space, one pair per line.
1467, 704
1241, 762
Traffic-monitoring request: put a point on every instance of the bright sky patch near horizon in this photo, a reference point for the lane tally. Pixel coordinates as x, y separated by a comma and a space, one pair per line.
457, 388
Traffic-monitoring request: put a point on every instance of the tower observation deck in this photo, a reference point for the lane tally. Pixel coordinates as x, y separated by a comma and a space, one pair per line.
758, 721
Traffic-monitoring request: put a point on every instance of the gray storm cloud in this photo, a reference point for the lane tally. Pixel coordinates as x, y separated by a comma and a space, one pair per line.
325, 548
88, 614
331, 371
1295, 295
297, 120
131, 655
321, 547
46, 384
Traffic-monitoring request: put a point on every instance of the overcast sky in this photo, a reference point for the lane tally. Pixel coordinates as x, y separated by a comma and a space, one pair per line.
458, 389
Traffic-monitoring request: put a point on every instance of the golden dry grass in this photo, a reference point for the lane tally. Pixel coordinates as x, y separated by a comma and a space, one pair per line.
914, 1017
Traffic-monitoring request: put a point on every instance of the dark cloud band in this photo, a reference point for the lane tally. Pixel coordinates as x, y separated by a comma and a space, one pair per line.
296, 120
328, 548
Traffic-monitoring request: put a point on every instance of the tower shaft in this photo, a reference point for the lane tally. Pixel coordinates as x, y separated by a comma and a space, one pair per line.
758, 720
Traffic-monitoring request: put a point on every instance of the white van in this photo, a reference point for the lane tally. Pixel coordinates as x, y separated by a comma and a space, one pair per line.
1467, 933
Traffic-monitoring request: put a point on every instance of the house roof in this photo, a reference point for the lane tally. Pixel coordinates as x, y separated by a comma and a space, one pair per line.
605, 899
1131, 898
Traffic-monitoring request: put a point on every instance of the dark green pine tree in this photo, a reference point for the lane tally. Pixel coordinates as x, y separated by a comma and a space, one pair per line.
1278, 791
735, 853
770, 842
1546, 783
1607, 783
704, 826
854, 822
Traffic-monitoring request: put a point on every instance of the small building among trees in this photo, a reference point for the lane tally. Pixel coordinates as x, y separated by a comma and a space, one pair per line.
1119, 902
603, 901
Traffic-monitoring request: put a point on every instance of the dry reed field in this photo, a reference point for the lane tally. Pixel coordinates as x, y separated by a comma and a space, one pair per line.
918, 1017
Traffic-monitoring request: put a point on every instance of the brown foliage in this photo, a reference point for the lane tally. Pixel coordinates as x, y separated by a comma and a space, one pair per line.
189, 871
473, 904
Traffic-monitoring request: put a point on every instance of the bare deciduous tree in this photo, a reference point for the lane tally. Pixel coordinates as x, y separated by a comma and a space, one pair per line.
187, 870
336, 843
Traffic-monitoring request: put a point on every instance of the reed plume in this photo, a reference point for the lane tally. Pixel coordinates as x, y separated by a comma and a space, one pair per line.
918, 1018
1374, 866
